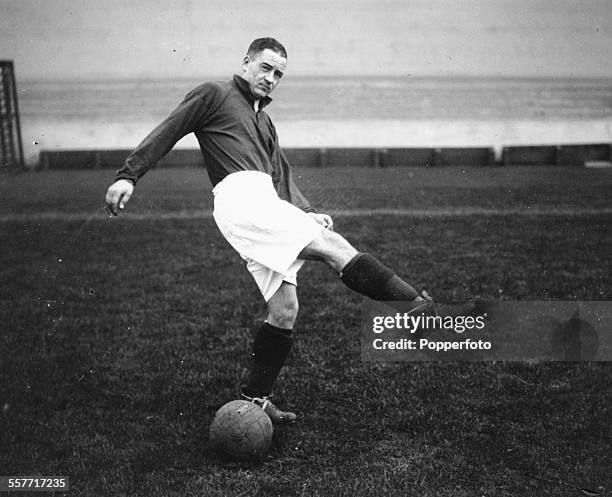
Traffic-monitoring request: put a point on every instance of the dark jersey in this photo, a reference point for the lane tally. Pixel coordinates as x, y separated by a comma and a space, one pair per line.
233, 137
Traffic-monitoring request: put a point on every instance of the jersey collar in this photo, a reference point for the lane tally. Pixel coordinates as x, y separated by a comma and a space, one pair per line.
244, 88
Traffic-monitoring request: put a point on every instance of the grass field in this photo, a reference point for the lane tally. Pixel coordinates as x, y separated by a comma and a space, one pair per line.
121, 337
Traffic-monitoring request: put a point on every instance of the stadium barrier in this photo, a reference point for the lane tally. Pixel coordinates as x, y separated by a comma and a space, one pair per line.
105, 159
562, 155
577, 155
69, 159
464, 157
528, 156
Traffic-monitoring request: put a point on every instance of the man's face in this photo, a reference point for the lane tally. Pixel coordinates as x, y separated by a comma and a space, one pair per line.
263, 72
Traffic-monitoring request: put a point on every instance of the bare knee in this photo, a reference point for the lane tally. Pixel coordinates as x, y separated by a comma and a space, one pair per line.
283, 310
331, 248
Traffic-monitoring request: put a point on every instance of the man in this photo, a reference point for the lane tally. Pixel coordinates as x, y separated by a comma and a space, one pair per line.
258, 208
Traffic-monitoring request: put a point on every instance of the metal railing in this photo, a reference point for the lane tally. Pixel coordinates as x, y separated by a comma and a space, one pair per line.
11, 147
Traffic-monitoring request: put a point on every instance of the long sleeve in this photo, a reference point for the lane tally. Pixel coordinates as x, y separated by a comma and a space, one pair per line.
191, 114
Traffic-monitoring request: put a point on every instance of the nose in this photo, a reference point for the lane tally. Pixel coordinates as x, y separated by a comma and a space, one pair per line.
270, 78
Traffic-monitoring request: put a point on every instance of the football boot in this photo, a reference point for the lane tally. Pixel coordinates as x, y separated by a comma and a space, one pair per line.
277, 416
425, 305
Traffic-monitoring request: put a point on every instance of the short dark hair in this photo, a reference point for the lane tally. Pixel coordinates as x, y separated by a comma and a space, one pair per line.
260, 44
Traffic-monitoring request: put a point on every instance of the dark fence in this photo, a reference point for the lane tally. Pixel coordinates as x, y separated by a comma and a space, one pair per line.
563, 155
104, 159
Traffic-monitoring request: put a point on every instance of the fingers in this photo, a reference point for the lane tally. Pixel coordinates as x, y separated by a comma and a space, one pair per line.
112, 199
329, 223
124, 199
324, 220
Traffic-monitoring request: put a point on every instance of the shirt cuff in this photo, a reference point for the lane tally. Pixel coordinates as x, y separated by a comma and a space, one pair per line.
129, 177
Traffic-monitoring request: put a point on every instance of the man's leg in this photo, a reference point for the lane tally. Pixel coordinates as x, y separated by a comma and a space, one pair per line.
359, 271
271, 347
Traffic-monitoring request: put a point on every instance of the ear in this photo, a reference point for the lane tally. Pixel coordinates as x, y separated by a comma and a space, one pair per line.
245, 62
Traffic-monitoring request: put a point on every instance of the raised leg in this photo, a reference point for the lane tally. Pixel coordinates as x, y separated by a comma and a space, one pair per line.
361, 272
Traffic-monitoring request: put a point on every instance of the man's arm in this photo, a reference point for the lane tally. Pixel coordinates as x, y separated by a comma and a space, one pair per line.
191, 114
182, 121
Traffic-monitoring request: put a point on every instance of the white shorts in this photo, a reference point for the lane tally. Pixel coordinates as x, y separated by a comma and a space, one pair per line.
268, 232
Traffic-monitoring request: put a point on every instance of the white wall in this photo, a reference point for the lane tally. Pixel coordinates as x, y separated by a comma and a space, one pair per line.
163, 38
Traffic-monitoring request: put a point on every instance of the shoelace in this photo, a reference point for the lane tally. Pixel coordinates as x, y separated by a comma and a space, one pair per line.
262, 402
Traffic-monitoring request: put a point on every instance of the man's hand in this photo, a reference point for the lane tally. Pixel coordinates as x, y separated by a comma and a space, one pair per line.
118, 195
322, 219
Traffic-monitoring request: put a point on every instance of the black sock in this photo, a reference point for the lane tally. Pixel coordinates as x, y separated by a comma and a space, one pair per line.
270, 350
366, 275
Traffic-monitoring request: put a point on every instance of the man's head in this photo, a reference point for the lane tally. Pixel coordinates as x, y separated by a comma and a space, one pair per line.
263, 66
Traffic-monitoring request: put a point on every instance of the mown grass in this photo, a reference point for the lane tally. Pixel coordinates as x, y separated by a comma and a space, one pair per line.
121, 338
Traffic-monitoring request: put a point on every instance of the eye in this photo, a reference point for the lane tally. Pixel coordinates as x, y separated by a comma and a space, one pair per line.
278, 74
